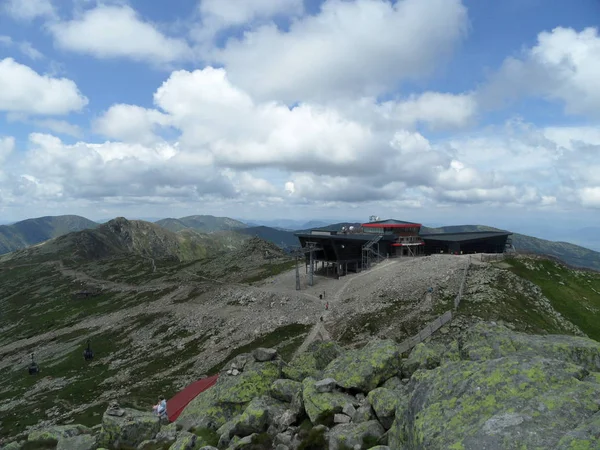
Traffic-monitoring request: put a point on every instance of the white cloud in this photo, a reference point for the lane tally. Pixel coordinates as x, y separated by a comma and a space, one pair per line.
363, 47
564, 65
24, 47
7, 145
590, 196
59, 126
28, 9
130, 123
129, 37
23, 90
218, 14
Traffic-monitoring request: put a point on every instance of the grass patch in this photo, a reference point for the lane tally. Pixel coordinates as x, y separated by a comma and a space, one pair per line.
573, 293
273, 339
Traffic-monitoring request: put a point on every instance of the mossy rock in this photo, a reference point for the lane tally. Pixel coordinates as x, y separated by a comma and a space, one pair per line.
82, 442
131, 429
318, 405
423, 356
367, 368
230, 395
349, 435
312, 362
285, 390
517, 401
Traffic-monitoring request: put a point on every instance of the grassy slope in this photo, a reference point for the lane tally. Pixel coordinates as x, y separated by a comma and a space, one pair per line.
205, 224
573, 293
33, 231
37, 298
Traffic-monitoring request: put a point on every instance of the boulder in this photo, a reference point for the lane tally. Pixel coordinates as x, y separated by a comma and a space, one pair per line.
58, 432
527, 400
341, 418
485, 341
130, 429
384, 402
301, 366
393, 383
586, 435
363, 435
326, 385
367, 368
423, 357
185, 441
363, 414
167, 433
264, 354
311, 363
285, 390
257, 415
319, 405
230, 395
81, 442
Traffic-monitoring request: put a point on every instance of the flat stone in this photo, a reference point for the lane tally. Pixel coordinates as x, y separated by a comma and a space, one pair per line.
264, 354
341, 418
326, 385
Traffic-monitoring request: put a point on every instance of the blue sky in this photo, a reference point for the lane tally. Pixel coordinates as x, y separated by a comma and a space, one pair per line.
442, 111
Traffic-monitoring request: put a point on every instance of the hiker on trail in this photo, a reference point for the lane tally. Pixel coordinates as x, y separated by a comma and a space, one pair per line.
160, 409
327, 305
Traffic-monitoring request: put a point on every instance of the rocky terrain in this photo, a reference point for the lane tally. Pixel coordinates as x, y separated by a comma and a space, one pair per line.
157, 324
488, 387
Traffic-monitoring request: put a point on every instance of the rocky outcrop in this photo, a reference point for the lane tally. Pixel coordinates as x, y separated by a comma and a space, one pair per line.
491, 388
232, 393
367, 368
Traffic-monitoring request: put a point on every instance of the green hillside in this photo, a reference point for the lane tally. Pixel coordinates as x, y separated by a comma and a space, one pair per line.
205, 224
33, 231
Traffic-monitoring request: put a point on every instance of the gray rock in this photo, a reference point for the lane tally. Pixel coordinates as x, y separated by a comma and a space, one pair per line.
208, 447
244, 443
185, 441
167, 433
58, 432
341, 418
363, 414
351, 434
509, 394
380, 447
367, 368
282, 447
82, 442
130, 429
285, 390
283, 421
326, 385
393, 383
318, 405
384, 402
349, 410
264, 354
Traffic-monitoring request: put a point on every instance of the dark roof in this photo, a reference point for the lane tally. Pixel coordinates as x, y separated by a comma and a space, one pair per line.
390, 222
464, 236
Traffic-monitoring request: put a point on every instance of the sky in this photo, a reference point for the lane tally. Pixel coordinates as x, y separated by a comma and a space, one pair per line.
436, 111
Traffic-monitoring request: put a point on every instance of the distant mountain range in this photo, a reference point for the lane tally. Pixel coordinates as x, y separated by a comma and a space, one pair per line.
191, 236
33, 231
205, 224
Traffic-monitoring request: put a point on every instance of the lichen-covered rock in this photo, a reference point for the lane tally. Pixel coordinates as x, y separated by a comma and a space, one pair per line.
366, 368
393, 383
349, 435
484, 341
384, 402
257, 415
363, 414
423, 356
131, 429
311, 363
167, 433
81, 442
319, 404
230, 395
518, 401
58, 432
301, 366
264, 354
585, 436
285, 390
12, 446
185, 441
